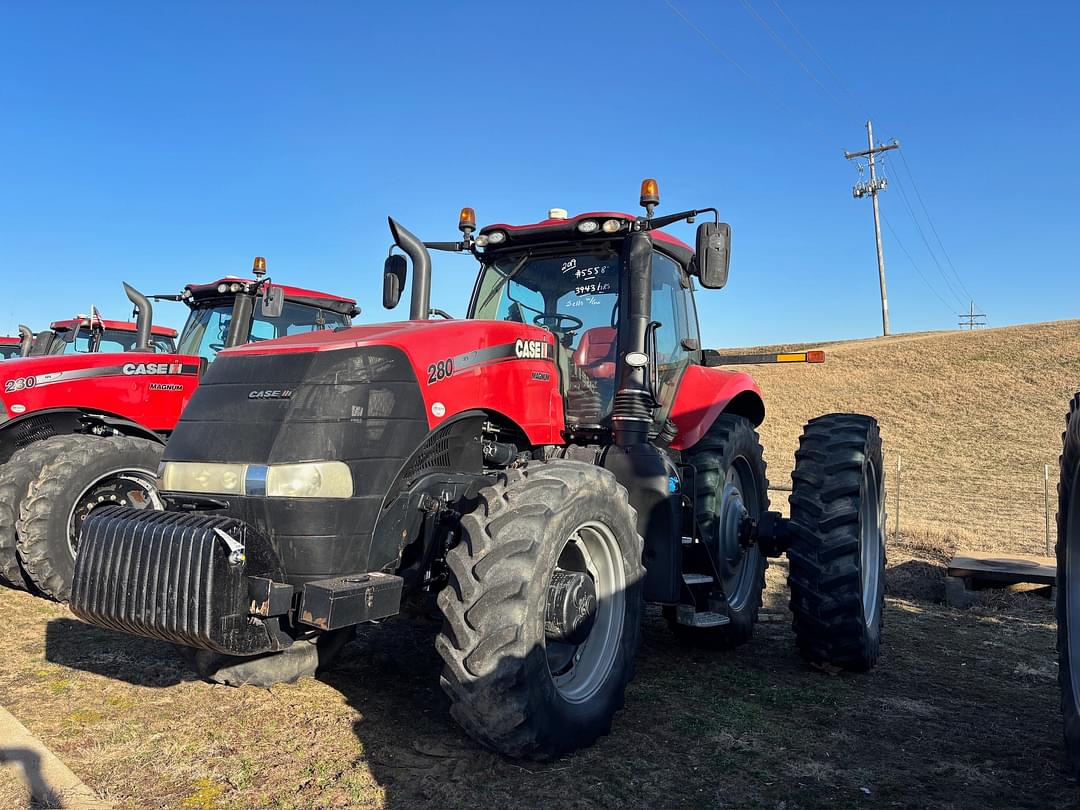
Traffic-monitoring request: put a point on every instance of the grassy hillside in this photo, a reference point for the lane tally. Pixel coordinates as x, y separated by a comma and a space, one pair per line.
975, 416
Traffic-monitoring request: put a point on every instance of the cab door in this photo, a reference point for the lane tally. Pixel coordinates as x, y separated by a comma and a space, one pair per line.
675, 339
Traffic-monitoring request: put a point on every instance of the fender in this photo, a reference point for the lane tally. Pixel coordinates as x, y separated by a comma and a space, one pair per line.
32, 427
704, 394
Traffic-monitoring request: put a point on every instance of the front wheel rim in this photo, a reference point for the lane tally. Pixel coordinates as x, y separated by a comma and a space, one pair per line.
123, 487
871, 542
580, 671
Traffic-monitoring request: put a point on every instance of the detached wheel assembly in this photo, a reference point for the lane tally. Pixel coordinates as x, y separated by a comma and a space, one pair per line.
86, 473
543, 610
1068, 582
837, 560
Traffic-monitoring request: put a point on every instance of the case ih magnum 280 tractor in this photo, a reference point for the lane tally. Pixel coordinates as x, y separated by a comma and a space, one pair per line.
79, 430
538, 471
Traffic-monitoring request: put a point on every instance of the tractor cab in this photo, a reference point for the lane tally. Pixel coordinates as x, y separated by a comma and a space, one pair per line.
10, 347
85, 334
566, 274
233, 311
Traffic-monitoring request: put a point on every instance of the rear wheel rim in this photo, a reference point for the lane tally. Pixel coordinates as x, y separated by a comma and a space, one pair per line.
1072, 587
738, 564
580, 671
872, 527
123, 487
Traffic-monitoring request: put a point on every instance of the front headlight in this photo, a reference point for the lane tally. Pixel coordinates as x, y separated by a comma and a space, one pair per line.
312, 479
214, 479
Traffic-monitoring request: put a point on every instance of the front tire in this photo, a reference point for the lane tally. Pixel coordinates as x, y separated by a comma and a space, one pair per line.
1068, 582
550, 544
837, 562
92, 471
21, 469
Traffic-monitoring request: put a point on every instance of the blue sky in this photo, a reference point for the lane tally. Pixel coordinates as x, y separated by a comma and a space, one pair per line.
162, 143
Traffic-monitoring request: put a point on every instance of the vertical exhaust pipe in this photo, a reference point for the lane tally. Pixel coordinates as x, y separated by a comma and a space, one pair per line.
420, 305
143, 321
26, 340
632, 411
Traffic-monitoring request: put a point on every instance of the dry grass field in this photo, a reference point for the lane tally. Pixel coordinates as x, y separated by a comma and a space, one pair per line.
962, 711
975, 415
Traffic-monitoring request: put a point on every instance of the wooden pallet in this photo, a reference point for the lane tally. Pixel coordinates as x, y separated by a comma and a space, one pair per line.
974, 571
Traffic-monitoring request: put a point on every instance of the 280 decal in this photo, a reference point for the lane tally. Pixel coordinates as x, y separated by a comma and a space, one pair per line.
440, 370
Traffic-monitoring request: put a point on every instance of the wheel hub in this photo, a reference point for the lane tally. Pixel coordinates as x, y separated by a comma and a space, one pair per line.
571, 607
116, 490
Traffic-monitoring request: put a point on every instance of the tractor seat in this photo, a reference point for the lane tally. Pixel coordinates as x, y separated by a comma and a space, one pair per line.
595, 354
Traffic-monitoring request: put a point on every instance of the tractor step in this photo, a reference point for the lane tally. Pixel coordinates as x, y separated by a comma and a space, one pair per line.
685, 614
697, 579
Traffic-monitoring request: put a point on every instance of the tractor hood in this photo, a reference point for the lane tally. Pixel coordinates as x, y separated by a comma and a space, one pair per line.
147, 388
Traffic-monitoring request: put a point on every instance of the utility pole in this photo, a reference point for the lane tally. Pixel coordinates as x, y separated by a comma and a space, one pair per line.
970, 319
872, 187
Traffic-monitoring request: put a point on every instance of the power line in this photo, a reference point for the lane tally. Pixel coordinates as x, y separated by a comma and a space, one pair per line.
779, 40
932, 228
922, 235
911, 259
819, 57
761, 88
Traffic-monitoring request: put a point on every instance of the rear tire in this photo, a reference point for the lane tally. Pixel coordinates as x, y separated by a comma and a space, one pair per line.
92, 470
729, 463
512, 686
1068, 582
837, 562
15, 478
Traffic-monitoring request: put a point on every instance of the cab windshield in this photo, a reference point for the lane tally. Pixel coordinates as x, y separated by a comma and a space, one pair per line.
82, 340
575, 296
207, 327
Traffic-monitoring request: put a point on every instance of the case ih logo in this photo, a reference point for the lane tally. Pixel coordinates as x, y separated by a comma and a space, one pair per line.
151, 368
273, 393
532, 349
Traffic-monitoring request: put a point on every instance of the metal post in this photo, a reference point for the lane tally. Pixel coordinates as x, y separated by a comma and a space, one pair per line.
899, 462
877, 232
1046, 504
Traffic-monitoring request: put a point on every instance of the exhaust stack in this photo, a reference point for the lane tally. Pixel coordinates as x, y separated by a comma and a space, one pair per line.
420, 305
143, 321
26, 340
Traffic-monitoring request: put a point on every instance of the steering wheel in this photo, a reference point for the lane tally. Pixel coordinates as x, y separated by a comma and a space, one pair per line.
555, 319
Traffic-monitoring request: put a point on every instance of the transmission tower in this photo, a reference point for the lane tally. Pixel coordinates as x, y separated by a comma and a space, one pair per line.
972, 319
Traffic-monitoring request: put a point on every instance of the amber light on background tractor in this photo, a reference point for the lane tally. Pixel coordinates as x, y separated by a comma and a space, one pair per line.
258, 267
467, 220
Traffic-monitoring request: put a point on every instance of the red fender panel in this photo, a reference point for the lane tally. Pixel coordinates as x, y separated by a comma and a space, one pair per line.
704, 394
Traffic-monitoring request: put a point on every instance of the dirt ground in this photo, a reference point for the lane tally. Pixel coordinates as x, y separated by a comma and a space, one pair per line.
961, 713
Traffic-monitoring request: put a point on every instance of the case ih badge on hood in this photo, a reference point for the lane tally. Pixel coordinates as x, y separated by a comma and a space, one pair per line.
517, 469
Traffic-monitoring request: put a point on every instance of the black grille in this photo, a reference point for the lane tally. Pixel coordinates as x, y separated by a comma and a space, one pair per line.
34, 429
166, 575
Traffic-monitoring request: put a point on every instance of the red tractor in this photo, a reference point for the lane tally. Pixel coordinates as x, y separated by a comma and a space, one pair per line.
538, 472
10, 347
89, 333
83, 424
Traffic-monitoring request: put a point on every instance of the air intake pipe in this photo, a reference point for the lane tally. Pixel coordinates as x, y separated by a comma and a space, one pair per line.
143, 321
26, 340
420, 305
632, 411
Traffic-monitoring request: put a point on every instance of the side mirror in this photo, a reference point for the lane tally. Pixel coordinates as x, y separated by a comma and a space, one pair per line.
394, 271
713, 254
273, 302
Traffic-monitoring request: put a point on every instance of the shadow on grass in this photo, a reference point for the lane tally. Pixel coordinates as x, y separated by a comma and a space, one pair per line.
134, 660
28, 762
